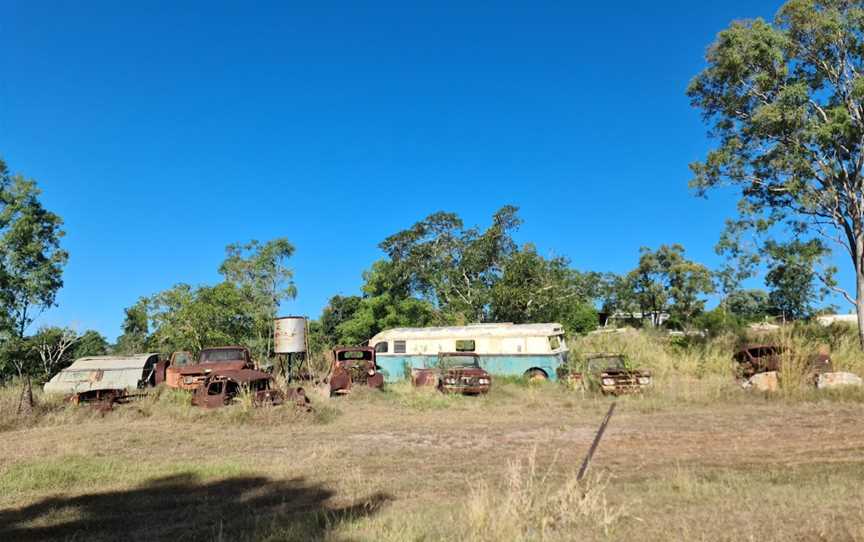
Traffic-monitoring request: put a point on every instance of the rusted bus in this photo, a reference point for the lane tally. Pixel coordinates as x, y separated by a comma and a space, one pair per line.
753, 359
189, 376
221, 388
354, 365
454, 372
608, 373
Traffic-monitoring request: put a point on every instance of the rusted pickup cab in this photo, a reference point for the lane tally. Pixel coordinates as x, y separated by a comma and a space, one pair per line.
608, 373
454, 372
354, 366
753, 359
189, 376
221, 388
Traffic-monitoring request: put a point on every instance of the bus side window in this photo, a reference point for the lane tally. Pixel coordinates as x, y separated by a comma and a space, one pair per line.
554, 342
399, 347
381, 347
465, 345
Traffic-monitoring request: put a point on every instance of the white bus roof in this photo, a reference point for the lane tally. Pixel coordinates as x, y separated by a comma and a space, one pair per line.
469, 332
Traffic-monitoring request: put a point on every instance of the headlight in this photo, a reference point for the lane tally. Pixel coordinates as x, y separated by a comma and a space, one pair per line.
608, 381
644, 380
449, 380
483, 381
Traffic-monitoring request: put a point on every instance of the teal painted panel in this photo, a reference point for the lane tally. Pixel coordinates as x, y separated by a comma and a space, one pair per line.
395, 368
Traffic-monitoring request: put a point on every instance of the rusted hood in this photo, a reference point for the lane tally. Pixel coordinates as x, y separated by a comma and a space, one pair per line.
201, 368
241, 375
468, 371
626, 372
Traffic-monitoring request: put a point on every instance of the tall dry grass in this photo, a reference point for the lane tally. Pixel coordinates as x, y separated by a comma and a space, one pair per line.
535, 504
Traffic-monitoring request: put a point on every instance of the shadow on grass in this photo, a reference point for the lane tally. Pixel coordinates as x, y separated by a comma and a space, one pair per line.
185, 508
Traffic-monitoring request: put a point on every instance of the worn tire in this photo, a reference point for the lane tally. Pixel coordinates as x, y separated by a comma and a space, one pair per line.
536, 375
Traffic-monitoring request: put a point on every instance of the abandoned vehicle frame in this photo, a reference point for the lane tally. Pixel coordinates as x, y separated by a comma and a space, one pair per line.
454, 372
353, 365
606, 372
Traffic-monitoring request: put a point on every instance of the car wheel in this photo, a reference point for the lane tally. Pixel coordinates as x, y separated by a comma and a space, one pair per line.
536, 375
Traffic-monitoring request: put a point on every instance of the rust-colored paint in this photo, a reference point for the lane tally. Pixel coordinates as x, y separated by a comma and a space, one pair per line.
762, 358
190, 377
609, 373
469, 379
220, 388
352, 366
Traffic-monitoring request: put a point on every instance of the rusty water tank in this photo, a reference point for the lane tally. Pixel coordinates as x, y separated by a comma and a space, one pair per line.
289, 335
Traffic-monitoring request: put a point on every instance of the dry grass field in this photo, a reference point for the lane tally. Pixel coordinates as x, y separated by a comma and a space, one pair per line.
695, 459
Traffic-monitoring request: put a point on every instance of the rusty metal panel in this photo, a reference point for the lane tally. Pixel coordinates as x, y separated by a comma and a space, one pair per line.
105, 373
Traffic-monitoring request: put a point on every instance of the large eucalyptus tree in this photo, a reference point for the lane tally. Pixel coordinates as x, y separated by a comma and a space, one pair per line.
785, 102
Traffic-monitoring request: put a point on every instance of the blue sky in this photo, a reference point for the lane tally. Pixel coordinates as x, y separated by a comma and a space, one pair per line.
161, 132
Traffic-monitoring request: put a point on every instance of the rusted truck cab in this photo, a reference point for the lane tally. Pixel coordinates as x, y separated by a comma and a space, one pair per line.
354, 366
221, 388
753, 359
210, 360
608, 373
454, 372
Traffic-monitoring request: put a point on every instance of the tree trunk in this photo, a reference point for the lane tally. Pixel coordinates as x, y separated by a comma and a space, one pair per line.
25, 402
859, 303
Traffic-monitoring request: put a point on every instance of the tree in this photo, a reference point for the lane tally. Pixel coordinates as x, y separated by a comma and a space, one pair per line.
792, 279
741, 262
136, 329
535, 289
648, 286
617, 295
187, 318
31, 260
31, 267
259, 272
665, 281
450, 266
338, 310
54, 347
749, 305
784, 101
90, 343
385, 304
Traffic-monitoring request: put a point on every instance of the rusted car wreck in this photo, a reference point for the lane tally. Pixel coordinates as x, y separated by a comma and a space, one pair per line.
183, 374
753, 359
608, 373
221, 388
354, 366
454, 372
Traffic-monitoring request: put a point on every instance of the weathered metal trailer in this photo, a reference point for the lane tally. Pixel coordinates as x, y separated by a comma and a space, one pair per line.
105, 378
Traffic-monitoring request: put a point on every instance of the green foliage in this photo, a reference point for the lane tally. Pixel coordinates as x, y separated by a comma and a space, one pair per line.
438, 273
452, 267
259, 273
136, 329
338, 310
90, 343
31, 259
535, 289
239, 310
791, 277
717, 322
187, 318
748, 305
665, 281
783, 102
